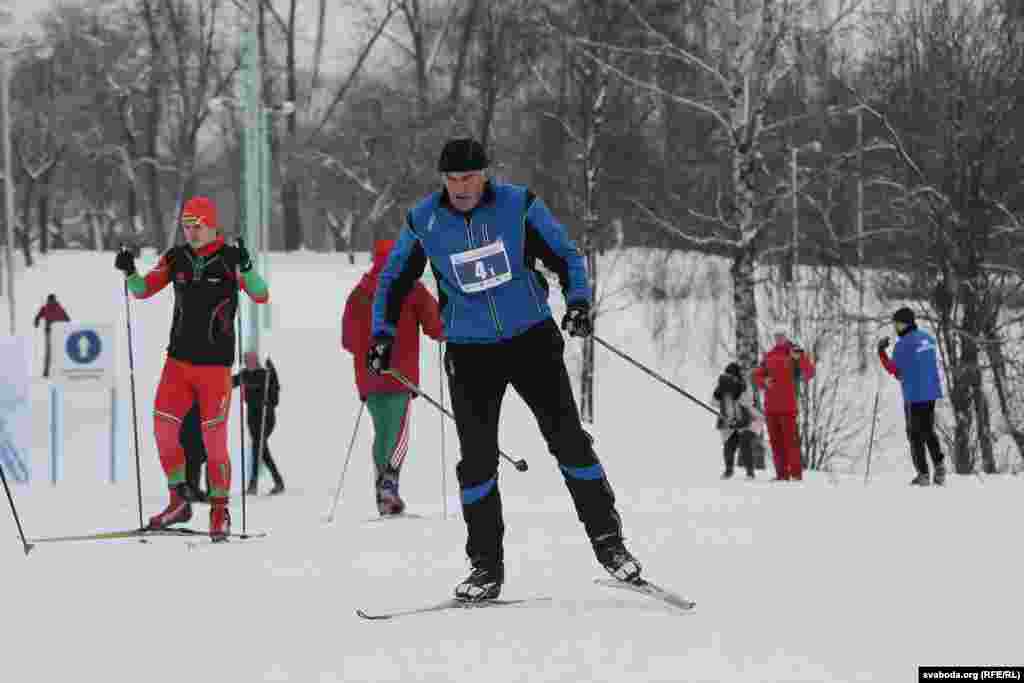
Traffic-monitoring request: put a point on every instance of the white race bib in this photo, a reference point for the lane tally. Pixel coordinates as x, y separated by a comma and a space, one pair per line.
483, 268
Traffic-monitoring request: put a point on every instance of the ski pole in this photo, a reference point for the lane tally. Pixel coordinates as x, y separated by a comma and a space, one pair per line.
519, 464
135, 418
241, 390
871, 439
655, 375
14, 511
341, 480
444, 464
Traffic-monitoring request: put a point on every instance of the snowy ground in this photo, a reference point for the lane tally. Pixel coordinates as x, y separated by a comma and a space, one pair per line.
820, 581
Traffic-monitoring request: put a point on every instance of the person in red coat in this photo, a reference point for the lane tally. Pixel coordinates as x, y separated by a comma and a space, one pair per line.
387, 400
779, 375
51, 312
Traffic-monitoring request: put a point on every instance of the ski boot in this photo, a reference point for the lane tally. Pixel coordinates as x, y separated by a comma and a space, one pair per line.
388, 501
727, 474
483, 583
178, 511
612, 555
220, 520
940, 474
277, 490
920, 480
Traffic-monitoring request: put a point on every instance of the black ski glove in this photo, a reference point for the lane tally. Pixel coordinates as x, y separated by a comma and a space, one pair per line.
125, 262
244, 259
577, 321
883, 344
378, 358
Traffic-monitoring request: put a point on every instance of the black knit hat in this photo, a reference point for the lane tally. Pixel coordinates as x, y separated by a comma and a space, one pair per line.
734, 369
904, 315
461, 155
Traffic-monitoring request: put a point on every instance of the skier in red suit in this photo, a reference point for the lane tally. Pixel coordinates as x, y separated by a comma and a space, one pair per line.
206, 275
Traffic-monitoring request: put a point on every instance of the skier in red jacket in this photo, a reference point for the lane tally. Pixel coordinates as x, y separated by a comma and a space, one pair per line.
781, 371
51, 312
387, 400
206, 275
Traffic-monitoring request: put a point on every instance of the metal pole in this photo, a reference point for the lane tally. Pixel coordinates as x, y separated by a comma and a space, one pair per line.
861, 334
5, 94
796, 236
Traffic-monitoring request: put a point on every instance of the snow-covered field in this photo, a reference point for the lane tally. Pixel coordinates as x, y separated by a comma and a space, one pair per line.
828, 580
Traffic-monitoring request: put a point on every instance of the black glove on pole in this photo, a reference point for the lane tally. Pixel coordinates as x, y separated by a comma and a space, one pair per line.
577, 321
244, 259
378, 358
125, 262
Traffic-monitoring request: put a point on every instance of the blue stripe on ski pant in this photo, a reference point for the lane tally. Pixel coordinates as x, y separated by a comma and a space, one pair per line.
476, 493
589, 472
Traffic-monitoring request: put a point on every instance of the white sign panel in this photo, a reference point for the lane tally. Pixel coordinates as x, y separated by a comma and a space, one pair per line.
87, 354
14, 407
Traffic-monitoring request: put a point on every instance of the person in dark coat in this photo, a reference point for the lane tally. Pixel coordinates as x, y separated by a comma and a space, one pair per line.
260, 391
739, 422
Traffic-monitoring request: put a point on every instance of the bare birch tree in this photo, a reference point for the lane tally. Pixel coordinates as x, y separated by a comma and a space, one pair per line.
751, 50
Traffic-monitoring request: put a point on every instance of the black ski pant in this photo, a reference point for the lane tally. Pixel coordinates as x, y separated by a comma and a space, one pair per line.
191, 438
921, 433
743, 441
254, 421
478, 375
48, 353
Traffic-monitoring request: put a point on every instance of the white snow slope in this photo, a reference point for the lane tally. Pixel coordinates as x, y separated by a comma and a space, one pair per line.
820, 581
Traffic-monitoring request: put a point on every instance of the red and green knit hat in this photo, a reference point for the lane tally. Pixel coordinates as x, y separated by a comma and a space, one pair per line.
201, 209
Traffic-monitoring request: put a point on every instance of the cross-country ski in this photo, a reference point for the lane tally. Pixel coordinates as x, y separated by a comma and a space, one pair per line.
651, 590
449, 604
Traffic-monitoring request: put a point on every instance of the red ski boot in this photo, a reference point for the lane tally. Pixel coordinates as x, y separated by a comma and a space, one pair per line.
178, 511
220, 519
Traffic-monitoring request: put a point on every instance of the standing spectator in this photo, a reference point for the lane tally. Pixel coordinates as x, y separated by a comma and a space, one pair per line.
915, 363
740, 421
51, 312
387, 400
261, 392
780, 374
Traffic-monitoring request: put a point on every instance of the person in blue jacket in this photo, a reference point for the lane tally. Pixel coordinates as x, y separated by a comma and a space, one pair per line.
915, 363
483, 240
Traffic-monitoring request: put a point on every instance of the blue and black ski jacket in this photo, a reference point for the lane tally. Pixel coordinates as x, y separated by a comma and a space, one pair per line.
485, 264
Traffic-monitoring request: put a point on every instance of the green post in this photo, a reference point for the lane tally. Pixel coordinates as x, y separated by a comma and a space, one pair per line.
266, 178
251, 205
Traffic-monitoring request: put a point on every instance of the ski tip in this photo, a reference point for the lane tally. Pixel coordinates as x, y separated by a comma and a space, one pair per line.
370, 617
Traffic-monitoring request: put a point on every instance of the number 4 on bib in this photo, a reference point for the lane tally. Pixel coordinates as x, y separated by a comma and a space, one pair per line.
483, 268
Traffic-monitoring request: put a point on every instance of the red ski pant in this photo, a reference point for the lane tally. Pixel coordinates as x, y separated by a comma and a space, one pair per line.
785, 445
183, 384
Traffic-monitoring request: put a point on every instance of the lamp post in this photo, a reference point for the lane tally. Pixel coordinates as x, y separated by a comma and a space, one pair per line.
6, 64
812, 146
256, 173
5, 102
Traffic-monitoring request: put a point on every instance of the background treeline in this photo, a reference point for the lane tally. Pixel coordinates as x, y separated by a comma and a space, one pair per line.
847, 135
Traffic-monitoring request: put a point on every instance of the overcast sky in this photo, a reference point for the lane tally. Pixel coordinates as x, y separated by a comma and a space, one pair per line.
23, 10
